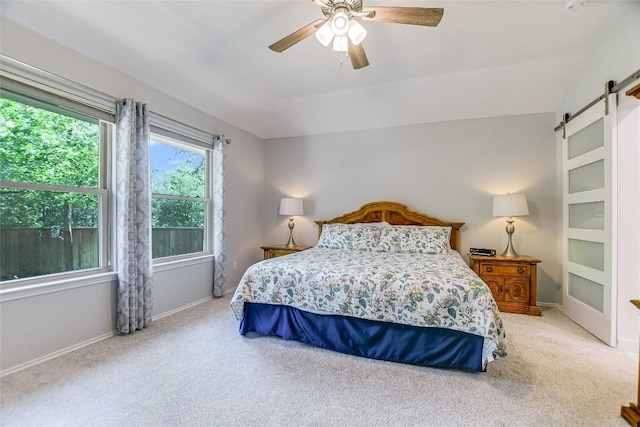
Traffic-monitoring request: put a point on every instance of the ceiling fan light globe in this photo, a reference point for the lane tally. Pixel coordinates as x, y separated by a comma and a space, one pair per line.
341, 44
325, 34
357, 32
340, 23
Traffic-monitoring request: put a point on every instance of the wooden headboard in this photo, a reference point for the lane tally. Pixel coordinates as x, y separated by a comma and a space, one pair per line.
396, 214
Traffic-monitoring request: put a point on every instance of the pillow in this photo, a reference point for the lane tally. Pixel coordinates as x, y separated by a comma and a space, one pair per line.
362, 237
415, 238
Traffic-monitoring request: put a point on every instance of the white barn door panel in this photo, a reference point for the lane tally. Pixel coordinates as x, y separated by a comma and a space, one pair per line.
589, 221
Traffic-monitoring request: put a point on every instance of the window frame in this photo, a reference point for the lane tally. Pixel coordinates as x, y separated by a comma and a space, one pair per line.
179, 141
102, 191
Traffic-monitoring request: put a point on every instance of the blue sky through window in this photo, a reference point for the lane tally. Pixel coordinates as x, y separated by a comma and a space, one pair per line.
165, 157
176, 169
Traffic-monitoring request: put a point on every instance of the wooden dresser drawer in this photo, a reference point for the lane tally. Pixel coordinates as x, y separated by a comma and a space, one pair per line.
277, 253
512, 281
272, 251
504, 269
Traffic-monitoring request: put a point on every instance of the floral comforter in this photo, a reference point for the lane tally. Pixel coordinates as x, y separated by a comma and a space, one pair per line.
427, 290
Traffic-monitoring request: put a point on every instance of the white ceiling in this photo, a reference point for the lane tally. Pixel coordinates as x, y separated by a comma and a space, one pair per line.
486, 58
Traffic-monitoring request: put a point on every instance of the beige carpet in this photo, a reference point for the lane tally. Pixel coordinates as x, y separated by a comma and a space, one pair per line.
194, 369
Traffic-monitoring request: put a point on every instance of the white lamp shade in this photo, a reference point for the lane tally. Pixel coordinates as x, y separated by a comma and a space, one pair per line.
357, 33
510, 205
325, 34
340, 24
290, 206
341, 43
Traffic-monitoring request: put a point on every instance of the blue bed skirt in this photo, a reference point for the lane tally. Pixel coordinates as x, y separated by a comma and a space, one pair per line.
435, 347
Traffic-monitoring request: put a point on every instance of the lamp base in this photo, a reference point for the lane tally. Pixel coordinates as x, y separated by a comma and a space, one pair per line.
509, 251
291, 243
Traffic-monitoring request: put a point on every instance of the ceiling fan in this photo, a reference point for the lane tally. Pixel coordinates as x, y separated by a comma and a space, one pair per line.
341, 27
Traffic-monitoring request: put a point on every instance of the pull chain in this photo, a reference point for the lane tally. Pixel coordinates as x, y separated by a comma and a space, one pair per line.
342, 56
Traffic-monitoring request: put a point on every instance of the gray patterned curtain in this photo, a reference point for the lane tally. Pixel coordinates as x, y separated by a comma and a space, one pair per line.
219, 231
133, 213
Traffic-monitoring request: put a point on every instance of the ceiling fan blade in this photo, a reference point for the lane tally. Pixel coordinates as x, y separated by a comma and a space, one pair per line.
296, 36
426, 16
357, 56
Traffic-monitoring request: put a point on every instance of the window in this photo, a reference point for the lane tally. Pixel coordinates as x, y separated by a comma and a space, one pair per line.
56, 179
180, 199
53, 189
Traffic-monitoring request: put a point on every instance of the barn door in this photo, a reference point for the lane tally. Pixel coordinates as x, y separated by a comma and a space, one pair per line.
589, 216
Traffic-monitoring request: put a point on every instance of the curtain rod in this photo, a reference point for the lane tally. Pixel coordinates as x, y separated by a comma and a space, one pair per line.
179, 127
10, 67
610, 88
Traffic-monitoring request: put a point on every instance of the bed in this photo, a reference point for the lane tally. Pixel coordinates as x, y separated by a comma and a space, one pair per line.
384, 282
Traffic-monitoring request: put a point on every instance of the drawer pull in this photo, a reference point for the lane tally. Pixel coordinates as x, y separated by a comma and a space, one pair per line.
489, 268
520, 270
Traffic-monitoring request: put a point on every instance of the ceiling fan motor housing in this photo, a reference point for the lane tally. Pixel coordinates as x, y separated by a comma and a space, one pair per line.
351, 5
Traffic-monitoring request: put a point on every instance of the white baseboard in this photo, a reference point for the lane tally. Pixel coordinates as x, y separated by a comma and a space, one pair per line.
549, 304
55, 354
628, 346
78, 346
184, 307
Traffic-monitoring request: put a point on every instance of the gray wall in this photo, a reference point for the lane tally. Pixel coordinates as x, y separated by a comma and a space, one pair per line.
449, 170
39, 323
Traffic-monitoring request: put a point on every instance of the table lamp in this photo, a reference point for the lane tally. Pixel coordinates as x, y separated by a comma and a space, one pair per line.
510, 205
291, 207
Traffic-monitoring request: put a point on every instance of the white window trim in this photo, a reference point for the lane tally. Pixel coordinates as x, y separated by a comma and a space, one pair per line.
174, 140
43, 83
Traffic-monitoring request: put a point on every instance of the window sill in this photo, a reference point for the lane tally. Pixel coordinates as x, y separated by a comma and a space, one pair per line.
56, 285
59, 284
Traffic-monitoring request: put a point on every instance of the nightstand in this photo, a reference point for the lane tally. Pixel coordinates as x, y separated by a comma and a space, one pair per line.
512, 281
272, 251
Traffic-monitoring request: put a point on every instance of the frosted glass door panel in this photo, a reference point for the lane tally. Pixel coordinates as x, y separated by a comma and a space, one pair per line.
589, 254
587, 139
589, 220
587, 291
589, 216
587, 177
